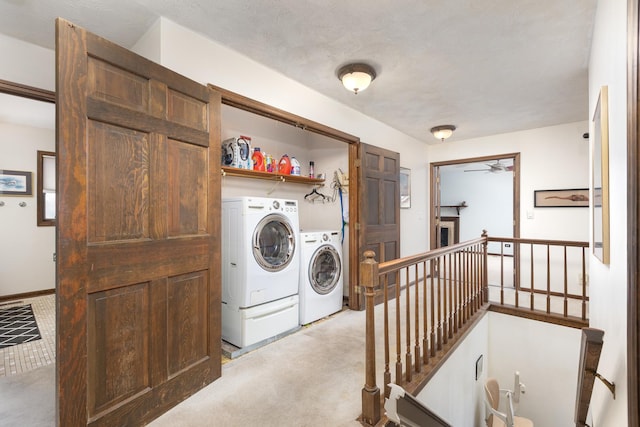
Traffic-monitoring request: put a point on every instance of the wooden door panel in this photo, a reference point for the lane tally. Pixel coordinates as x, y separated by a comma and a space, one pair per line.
188, 332
118, 175
116, 85
187, 110
187, 189
138, 240
380, 204
119, 327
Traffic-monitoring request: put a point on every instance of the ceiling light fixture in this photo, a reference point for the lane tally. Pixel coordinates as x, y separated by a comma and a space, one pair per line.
443, 132
356, 77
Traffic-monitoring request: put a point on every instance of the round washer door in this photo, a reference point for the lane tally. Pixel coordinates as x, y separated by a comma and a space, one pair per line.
324, 269
273, 243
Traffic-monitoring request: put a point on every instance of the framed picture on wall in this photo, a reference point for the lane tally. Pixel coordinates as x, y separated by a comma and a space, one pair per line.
15, 183
600, 184
405, 188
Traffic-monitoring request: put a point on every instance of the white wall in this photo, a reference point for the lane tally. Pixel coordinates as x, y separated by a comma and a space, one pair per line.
545, 355
489, 197
209, 62
26, 262
555, 157
608, 289
27, 63
26, 252
453, 393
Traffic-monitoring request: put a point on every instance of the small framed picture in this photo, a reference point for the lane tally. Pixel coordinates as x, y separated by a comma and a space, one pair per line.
15, 183
405, 188
573, 198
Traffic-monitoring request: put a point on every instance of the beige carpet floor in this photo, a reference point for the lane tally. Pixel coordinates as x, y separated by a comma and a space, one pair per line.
312, 377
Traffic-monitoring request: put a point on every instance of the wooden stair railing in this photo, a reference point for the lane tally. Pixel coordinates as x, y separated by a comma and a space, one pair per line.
439, 295
447, 287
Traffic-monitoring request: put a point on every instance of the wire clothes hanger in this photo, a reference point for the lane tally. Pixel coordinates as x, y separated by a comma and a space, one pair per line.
315, 196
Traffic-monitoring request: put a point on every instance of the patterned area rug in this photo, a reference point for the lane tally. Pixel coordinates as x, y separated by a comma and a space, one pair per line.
17, 326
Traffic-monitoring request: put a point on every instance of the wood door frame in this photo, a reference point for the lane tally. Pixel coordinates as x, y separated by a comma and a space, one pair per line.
434, 198
633, 212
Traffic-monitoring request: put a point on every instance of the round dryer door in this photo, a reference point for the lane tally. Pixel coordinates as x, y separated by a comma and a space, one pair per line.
273, 243
324, 269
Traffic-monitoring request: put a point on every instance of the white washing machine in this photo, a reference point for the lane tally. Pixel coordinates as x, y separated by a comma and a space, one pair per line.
321, 280
260, 268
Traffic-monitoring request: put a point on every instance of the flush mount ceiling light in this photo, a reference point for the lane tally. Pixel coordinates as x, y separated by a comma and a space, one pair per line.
356, 77
443, 132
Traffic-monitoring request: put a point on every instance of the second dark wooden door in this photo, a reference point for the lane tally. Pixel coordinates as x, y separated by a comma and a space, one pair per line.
379, 203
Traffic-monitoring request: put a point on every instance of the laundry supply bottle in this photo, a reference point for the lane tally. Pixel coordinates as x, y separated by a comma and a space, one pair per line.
284, 165
268, 163
258, 160
312, 173
295, 167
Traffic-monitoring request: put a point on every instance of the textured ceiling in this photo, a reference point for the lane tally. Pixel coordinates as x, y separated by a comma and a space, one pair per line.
485, 66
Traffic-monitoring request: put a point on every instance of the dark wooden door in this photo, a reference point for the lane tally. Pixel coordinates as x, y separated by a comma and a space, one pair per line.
138, 277
379, 203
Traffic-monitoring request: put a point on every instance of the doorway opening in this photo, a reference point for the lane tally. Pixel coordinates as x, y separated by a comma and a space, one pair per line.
474, 194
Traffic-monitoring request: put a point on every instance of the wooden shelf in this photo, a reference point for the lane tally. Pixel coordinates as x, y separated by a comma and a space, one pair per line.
248, 173
456, 207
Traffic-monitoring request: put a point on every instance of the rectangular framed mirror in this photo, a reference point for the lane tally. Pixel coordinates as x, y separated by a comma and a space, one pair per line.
46, 188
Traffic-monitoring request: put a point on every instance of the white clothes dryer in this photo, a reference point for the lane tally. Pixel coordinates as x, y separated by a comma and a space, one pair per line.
260, 268
321, 278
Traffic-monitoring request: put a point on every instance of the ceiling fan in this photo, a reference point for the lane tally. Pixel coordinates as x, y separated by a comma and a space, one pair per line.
496, 167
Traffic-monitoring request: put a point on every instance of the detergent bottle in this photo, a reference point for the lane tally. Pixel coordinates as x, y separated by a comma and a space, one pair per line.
269, 164
258, 160
295, 166
284, 165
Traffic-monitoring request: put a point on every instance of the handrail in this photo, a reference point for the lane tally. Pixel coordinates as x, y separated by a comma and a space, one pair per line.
441, 293
396, 264
539, 241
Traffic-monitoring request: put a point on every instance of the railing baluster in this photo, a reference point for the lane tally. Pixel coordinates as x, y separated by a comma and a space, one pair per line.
408, 360
433, 311
387, 345
451, 308
417, 352
566, 284
516, 276
501, 274
584, 286
531, 287
398, 333
445, 323
439, 337
485, 267
548, 280
475, 282
425, 321
468, 286
456, 291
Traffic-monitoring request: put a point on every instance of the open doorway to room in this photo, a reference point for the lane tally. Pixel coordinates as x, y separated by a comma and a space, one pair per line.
472, 195
27, 281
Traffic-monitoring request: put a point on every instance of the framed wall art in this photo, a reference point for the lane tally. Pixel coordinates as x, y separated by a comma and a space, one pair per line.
573, 198
405, 188
600, 183
15, 183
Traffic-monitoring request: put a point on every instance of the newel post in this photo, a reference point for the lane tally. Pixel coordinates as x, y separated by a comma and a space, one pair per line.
370, 391
485, 275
